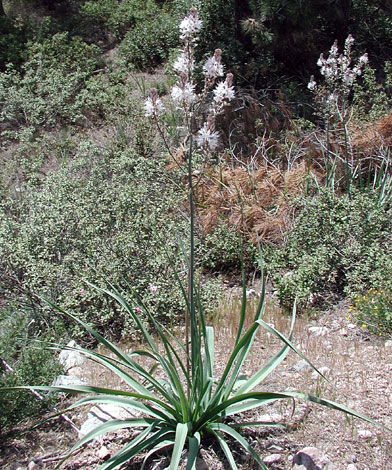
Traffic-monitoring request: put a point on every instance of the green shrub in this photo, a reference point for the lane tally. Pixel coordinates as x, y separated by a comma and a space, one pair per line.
373, 310
372, 99
338, 245
44, 93
221, 250
106, 214
149, 42
105, 18
28, 363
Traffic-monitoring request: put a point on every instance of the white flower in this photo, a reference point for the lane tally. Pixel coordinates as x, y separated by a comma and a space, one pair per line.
364, 59
312, 84
207, 138
223, 93
182, 64
213, 67
183, 94
190, 25
153, 106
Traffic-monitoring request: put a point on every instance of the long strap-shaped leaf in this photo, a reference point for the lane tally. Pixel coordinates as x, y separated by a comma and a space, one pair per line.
114, 366
120, 299
220, 427
290, 345
194, 445
170, 350
110, 346
113, 425
126, 403
244, 341
273, 396
226, 450
162, 445
105, 391
260, 375
179, 442
129, 451
243, 354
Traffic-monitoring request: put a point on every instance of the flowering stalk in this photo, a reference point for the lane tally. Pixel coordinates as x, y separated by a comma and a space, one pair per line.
339, 79
187, 101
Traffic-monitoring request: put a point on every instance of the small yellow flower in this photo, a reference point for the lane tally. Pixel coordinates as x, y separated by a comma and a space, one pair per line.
375, 307
351, 308
364, 326
348, 318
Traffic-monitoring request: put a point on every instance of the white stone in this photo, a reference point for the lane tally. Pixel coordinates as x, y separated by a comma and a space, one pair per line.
301, 366
70, 358
388, 344
103, 453
352, 326
343, 332
273, 458
271, 418
67, 381
311, 458
89, 426
365, 434
102, 413
318, 330
351, 466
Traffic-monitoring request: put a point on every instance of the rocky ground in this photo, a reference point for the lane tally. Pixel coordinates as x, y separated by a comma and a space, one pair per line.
358, 365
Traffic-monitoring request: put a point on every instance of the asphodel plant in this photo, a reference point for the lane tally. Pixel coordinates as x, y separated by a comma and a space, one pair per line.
179, 400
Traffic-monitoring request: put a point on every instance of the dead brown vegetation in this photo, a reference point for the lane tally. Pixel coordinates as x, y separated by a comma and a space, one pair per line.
257, 203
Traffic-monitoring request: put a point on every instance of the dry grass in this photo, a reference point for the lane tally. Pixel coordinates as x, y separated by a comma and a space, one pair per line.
256, 203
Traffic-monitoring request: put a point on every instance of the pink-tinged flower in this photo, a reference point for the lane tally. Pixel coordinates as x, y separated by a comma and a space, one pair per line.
81, 292
190, 25
138, 309
207, 137
153, 106
153, 288
213, 67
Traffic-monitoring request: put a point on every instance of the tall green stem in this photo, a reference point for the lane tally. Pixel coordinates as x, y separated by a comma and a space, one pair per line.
191, 268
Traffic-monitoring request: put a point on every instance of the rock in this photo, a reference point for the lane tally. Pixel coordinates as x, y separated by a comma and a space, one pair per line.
318, 330
105, 411
351, 466
251, 293
273, 458
352, 326
301, 366
89, 425
34, 466
102, 413
271, 418
324, 370
275, 448
70, 358
67, 381
311, 458
388, 344
343, 332
365, 434
103, 453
